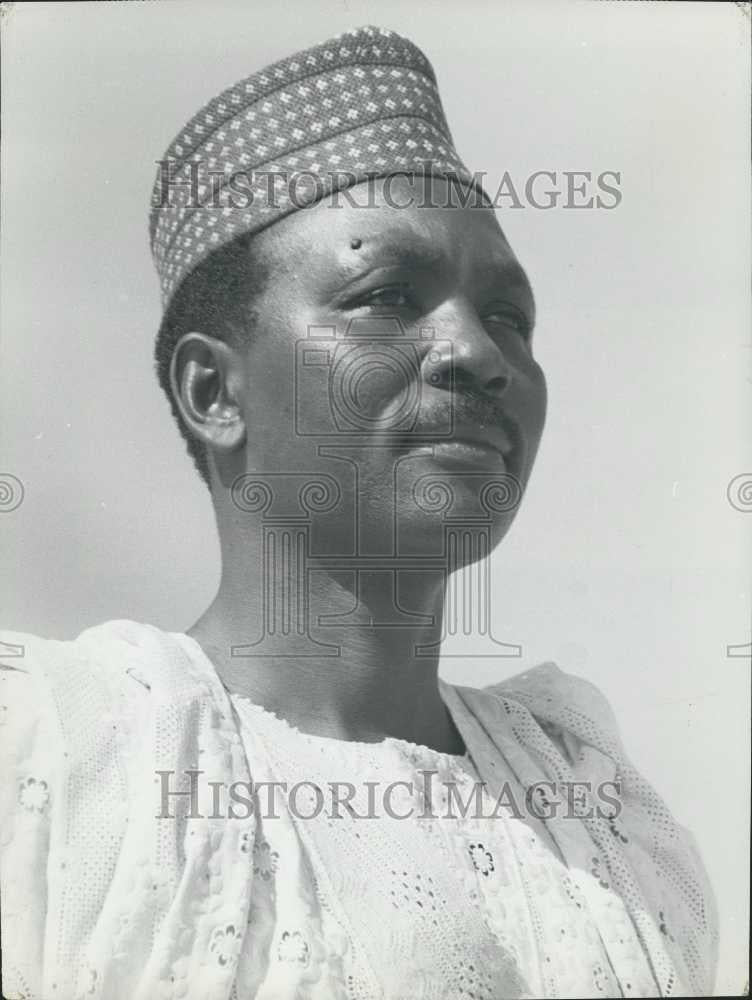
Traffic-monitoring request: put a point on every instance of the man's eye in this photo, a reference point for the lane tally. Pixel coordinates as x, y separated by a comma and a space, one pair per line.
509, 317
390, 296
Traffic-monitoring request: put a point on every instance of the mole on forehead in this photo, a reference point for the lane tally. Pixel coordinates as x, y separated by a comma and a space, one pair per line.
419, 236
404, 248
409, 240
359, 250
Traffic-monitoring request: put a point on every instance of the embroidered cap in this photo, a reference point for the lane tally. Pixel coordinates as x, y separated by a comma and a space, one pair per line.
364, 104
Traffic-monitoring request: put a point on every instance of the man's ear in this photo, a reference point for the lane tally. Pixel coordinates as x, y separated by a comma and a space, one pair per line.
206, 377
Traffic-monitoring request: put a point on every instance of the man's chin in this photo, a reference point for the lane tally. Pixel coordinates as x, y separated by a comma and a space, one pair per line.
458, 483
462, 538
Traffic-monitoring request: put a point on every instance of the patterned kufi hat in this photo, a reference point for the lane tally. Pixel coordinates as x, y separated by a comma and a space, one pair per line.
364, 104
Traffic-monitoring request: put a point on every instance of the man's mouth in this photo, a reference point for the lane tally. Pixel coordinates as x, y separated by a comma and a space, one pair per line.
479, 456
490, 448
470, 452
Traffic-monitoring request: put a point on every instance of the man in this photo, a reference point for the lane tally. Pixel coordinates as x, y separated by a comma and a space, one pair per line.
347, 347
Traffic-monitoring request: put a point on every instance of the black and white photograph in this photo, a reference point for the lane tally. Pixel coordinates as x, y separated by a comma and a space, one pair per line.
375, 499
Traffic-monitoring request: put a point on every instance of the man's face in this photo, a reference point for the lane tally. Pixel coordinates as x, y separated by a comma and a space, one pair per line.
392, 361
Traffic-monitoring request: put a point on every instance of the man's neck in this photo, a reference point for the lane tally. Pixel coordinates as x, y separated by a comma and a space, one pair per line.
358, 660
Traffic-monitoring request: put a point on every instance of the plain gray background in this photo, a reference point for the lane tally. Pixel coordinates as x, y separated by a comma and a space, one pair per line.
627, 564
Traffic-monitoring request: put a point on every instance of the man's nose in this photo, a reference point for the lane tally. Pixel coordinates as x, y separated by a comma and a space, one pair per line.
463, 356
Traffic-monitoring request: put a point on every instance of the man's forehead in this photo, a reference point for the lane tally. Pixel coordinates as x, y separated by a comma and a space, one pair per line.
351, 238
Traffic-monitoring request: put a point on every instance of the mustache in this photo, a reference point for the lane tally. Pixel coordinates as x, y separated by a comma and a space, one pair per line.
468, 407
